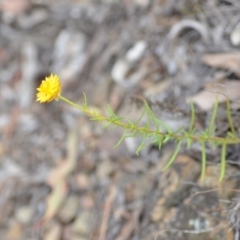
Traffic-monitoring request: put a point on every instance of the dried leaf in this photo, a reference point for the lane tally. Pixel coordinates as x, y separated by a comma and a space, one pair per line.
227, 61
221, 92
14, 6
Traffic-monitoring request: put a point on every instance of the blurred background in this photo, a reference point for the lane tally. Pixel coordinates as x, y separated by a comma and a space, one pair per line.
60, 178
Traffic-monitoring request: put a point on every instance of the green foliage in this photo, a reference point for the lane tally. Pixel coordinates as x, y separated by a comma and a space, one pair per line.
154, 131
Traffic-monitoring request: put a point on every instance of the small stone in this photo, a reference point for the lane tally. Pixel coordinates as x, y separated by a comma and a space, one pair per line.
235, 36
136, 52
120, 70
69, 209
24, 214
122, 67
82, 224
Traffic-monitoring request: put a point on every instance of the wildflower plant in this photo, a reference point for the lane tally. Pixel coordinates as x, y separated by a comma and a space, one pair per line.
50, 89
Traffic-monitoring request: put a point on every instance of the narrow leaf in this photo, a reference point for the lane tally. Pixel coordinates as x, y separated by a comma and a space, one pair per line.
171, 160
166, 139
112, 115
223, 162
160, 142
162, 124
121, 139
106, 124
84, 101
192, 118
189, 142
178, 130
141, 145
138, 121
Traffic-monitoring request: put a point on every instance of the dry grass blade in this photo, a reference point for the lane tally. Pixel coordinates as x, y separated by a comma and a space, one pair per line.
57, 178
107, 210
227, 61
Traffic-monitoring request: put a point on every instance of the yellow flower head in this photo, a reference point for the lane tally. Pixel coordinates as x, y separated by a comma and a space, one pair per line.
49, 89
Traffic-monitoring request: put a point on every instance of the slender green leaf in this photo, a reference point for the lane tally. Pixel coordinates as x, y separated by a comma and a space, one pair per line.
142, 144
178, 130
160, 141
85, 105
131, 124
112, 115
121, 139
166, 139
192, 118
138, 121
223, 162
106, 124
173, 157
165, 126
189, 142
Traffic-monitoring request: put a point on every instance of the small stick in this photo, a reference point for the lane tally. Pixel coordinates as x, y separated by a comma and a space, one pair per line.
107, 210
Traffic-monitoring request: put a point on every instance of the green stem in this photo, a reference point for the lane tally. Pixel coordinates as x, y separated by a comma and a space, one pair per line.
117, 122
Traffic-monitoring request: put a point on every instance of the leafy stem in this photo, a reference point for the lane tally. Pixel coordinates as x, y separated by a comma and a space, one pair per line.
160, 133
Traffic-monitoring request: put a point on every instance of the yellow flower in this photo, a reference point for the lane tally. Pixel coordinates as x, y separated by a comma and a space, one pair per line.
49, 89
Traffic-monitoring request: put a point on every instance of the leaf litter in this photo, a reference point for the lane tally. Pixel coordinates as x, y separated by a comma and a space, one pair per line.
169, 51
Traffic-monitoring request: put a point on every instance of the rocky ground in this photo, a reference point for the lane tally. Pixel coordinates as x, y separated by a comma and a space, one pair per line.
60, 177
